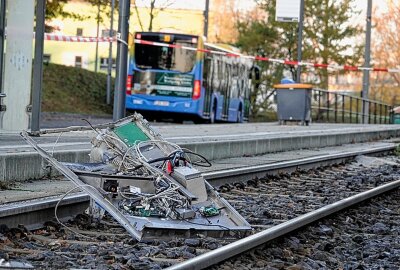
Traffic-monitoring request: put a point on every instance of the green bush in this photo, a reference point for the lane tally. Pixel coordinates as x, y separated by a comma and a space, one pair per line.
74, 90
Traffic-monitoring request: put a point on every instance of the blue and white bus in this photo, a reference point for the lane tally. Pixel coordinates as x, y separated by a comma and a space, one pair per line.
171, 82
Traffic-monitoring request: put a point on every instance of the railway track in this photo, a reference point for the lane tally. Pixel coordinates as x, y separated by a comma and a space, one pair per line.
266, 203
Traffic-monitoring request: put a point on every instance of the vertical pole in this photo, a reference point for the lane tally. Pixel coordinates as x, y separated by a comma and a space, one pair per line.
110, 62
343, 110
358, 111
122, 60
38, 65
351, 109
336, 107
96, 62
206, 11
300, 40
2, 38
367, 58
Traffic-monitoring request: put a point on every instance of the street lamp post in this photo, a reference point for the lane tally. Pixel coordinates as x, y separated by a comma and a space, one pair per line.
367, 58
300, 40
206, 11
122, 60
2, 38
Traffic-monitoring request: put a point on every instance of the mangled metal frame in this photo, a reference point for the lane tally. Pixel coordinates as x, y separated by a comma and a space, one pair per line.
165, 193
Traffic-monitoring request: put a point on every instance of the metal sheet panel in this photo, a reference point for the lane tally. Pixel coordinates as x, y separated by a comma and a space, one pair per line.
287, 10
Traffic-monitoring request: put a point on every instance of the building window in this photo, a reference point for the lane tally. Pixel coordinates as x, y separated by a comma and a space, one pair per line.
79, 32
46, 59
104, 63
106, 33
78, 61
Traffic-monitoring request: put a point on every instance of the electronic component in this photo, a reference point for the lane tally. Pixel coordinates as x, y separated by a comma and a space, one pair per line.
110, 186
192, 180
185, 213
209, 211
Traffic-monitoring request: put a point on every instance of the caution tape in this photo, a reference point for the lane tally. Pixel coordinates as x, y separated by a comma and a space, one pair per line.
267, 59
55, 37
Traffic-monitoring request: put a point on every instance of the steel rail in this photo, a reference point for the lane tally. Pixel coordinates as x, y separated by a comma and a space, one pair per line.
253, 241
215, 178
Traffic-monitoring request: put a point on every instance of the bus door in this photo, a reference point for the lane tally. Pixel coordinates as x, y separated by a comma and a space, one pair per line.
226, 89
207, 84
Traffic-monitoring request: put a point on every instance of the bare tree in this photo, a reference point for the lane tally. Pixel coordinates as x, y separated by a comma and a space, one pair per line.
155, 7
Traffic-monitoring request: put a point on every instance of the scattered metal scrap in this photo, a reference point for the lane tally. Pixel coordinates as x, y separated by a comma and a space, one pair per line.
147, 184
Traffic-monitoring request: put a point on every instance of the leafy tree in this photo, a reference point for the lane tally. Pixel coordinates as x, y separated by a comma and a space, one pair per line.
266, 37
326, 28
55, 9
386, 53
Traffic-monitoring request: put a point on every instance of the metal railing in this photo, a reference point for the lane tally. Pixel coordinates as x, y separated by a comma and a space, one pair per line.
336, 107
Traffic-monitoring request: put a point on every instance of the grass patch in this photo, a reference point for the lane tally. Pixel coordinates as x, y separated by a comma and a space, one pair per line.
74, 90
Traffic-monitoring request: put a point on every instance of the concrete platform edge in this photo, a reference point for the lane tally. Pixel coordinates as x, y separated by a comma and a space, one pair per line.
23, 166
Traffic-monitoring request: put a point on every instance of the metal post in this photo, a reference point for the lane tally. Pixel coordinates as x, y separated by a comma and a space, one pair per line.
357, 110
122, 60
110, 62
367, 58
38, 65
206, 18
300, 40
351, 109
343, 108
2, 38
336, 106
319, 105
96, 62
327, 106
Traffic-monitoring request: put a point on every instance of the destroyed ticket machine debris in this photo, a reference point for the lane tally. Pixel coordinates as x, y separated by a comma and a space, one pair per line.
149, 185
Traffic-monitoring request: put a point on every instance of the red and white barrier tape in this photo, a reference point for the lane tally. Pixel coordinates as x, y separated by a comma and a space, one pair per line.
54, 37
267, 59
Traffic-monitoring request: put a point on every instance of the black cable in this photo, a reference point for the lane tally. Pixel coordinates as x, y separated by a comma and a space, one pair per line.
87, 121
187, 151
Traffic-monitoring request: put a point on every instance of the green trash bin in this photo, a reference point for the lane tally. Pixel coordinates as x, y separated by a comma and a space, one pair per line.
294, 102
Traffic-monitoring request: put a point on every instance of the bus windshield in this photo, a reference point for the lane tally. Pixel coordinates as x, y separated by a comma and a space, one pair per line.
165, 58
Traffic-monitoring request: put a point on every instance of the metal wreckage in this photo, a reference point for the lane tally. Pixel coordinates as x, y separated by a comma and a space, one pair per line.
147, 184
